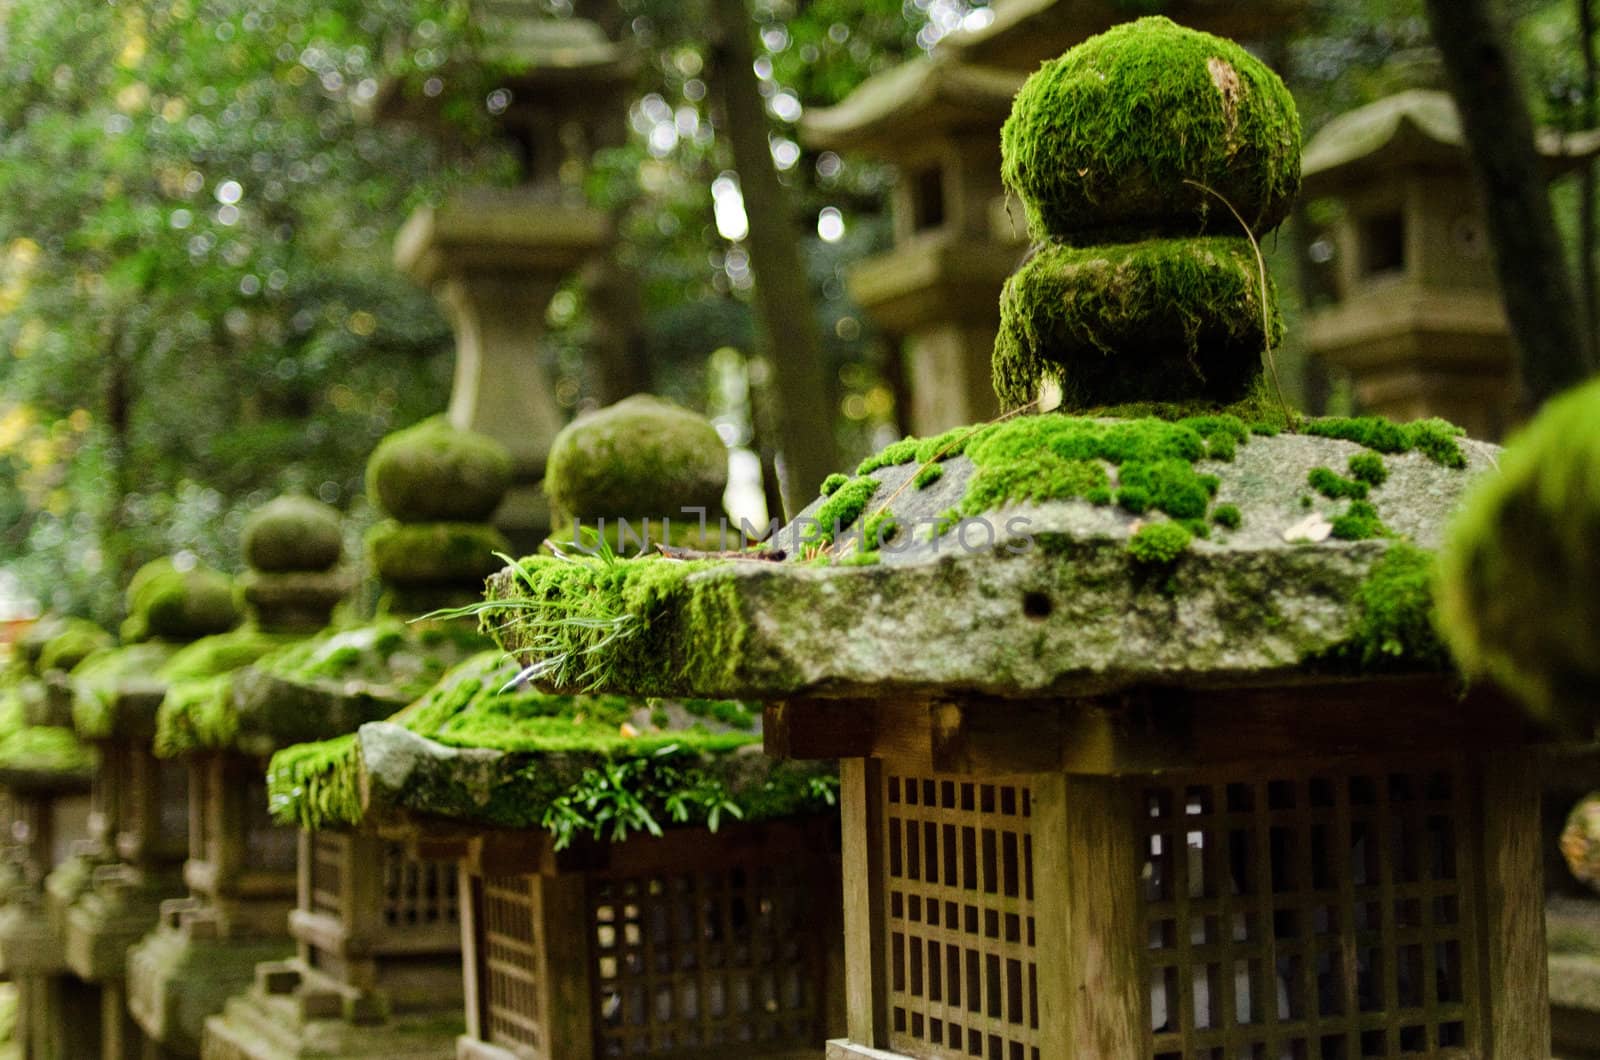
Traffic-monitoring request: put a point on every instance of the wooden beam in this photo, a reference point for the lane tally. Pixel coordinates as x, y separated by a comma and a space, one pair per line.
865, 944
822, 728
1516, 986
566, 966
972, 740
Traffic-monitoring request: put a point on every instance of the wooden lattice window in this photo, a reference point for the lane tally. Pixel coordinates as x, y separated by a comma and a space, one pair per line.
958, 862
509, 948
1320, 918
718, 957
417, 893
327, 873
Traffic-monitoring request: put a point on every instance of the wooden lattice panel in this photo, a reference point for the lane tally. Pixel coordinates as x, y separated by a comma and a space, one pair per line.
958, 866
417, 893
328, 856
1320, 918
508, 952
691, 960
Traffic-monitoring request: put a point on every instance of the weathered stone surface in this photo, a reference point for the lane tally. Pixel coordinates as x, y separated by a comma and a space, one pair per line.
175, 982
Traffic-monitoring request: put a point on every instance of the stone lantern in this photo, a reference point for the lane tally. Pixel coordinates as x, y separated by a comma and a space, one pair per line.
495, 257
587, 937
1149, 749
240, 872
374, 964
1415, 314
44, 775
108, 900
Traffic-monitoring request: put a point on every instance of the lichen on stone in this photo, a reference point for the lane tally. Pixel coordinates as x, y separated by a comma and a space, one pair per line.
433, 472
640, 458
1105, 138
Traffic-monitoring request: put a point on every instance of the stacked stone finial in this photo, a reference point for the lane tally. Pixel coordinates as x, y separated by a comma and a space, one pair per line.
178, 599
439, 486
1131, 154
292, 546
643, 460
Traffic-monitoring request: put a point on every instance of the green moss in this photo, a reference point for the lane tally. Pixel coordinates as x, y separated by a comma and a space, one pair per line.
1227, 516
220, 654
1395, 628
1099, 496
316, 784
1359, 523
844, 507
928, 476
433, 472
166, 602
77, 639
635, 537
949, 445
435, 553
881, 528
1101, 141
1165, 320
831, 484
1334, 486
1521, 561
292, 533
197, 711
901, 452
1369, 468
640, 458
1159, 544
1435, 439
44, 749
108, 686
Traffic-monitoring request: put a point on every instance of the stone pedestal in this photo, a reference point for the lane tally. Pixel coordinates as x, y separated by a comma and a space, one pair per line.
495, 259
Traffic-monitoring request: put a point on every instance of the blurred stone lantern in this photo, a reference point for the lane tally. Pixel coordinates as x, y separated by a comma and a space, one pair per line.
495, 256
1413, 310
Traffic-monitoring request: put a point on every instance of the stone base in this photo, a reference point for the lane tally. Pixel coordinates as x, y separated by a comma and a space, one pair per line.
292, 1014
118, 911
840, 1049
175, 982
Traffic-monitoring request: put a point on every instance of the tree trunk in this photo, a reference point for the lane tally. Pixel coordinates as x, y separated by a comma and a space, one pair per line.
1529, 257
1589, 282
783, 294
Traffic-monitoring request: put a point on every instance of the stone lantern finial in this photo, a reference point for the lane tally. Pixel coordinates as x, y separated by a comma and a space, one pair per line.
292, 546
1142, 287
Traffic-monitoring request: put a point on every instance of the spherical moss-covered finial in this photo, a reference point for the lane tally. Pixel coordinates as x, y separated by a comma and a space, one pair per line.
434, 472
1102, 142
642, 458
1517, 599
292, 533
79, 638
176, 599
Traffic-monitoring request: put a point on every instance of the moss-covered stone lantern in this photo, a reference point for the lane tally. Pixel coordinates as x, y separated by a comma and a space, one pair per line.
375, 964
496, 257
1149, 748
240, 872
109, 898
1413, 311
638, 880
44, 776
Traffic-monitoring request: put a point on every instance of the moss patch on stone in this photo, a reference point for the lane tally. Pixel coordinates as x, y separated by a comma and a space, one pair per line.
77, 640
292, 534
1359, 523
1159, 544
1435, 439
1369, 468
1521, 562
1395, 628
433, 472
435, 553
38, 749
640, 458
1101, 141
843, 507
174, 604
197, 710
831, 484
638, 537
110, 686
1227, 516
928, 476
1335, 486
1165, 320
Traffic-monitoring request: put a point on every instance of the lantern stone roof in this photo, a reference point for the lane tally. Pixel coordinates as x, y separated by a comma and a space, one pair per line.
1416, 127
473, 752
1046, 555
906, 104
38, 758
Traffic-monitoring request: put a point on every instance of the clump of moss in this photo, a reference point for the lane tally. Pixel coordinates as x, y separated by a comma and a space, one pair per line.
77, 640
44, 749
435, 553
902, 452
640, 458
1395, 627
1359, 523
1335, 486
220, 654
164, 601
1369, 468
109, 683
844, 507
1227, 516
434, 472
831, 484
1159, 544
1435, 439
928, 476
292, 533
1103, 141
881, 528
1163, 320
1521, 561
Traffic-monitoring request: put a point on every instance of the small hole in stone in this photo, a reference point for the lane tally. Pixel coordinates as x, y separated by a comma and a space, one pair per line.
1037, 606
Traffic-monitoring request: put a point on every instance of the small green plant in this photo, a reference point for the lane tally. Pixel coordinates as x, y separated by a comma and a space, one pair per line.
831, 484
1369, 468
1335, 486
1227, 516
1159, 544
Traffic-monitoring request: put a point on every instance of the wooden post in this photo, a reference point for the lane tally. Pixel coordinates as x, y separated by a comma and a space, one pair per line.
1093, 998
472, 949
1516, 987
861, 825
561, 913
